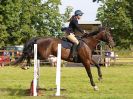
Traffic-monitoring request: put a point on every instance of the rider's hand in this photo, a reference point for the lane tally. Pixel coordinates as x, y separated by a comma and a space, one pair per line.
85, 32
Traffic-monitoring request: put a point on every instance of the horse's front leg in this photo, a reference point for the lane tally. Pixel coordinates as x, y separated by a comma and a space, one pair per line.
88, 69
99, 72
98, 69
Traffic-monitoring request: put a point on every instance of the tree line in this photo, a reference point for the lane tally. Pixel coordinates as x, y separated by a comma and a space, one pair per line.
21, 20
118, 15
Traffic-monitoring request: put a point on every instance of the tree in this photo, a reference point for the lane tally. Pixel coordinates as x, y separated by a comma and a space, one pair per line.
116, 14
67, 14
21, 20
9, 20
51, 23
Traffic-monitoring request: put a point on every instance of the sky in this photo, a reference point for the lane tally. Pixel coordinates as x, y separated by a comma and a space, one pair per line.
87, 6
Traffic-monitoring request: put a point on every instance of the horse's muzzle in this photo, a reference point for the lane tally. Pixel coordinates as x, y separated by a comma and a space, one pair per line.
111, 44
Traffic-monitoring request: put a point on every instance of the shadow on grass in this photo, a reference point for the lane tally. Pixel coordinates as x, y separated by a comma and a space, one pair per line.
14, 92
24, 92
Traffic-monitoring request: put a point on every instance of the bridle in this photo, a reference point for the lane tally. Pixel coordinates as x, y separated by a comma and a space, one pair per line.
108, 37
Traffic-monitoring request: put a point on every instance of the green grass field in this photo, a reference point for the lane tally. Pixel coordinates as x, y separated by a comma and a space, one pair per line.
117, 83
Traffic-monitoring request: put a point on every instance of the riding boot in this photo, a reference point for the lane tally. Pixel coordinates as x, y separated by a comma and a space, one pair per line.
74, 52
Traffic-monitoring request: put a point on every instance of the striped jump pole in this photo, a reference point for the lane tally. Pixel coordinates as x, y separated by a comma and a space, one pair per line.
58, 71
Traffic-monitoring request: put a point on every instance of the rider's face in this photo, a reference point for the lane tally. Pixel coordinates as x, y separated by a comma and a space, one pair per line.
79, 17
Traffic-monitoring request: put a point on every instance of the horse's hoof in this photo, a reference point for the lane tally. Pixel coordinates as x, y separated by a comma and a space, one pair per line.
24, 68
96, 88
28, 67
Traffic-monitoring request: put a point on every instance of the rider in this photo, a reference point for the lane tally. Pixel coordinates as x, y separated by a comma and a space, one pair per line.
71, 31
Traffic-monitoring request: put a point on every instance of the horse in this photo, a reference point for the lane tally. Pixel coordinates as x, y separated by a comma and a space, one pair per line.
48, 46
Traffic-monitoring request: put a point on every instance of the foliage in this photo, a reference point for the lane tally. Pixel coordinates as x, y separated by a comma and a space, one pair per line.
52, 23
21, 20
117, 14
67, 14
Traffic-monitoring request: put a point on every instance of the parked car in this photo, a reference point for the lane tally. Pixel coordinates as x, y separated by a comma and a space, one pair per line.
4, 58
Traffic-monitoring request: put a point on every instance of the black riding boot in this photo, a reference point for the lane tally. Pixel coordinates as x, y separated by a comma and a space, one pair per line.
74, 52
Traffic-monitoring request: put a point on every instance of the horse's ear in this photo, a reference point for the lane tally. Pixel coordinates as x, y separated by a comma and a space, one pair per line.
108, 30
111, 29
101, 28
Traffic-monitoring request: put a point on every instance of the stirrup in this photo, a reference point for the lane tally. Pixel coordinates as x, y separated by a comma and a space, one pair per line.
75, 58
71, 58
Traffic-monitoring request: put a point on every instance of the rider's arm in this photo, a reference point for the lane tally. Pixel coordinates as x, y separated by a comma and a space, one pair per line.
75, 22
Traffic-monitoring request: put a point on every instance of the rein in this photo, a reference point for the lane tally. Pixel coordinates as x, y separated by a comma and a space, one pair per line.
86, 35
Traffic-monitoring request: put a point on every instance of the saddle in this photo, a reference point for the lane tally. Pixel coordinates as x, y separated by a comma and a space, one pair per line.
66, 43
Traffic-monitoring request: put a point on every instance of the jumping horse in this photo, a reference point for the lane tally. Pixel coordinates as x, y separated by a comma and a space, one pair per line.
48, 46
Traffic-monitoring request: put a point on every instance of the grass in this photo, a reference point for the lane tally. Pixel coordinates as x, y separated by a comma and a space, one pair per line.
124, 53
117, 83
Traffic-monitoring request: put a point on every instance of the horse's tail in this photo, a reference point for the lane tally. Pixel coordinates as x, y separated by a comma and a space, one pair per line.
19, 60
27, 51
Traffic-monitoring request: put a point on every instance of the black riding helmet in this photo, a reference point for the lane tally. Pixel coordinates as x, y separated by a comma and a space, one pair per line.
78, 12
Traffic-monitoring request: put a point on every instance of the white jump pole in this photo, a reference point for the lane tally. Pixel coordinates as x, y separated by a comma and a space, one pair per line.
35, 71
58, 70
38, 72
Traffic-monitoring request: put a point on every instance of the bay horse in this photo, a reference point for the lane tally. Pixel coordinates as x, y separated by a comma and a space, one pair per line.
48, 46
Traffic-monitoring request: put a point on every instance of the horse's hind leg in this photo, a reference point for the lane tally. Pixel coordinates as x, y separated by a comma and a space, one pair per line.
28, 64
88, 69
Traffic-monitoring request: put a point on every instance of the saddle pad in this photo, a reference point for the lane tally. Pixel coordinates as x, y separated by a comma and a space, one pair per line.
66, 44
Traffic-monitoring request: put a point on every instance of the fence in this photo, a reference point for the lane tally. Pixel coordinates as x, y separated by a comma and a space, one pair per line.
7, 56
115, 57
10, 53
100, 58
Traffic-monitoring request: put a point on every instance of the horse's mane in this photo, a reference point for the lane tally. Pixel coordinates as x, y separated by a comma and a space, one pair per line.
90, 34
94, 32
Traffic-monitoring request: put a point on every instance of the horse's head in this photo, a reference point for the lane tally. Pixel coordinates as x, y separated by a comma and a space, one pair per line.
103, 34
107, 37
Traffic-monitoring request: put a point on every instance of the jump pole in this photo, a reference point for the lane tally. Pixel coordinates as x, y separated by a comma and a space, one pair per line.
35, 71
58, 71
38, 72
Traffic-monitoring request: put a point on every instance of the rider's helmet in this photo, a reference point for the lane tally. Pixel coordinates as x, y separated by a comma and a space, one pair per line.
78, 12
